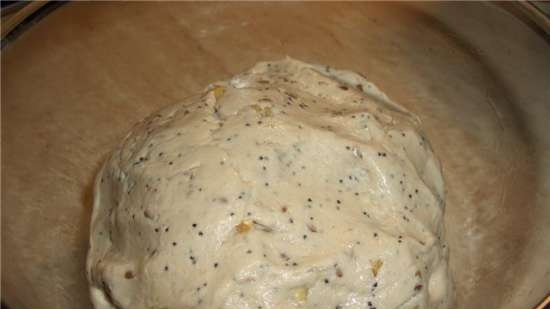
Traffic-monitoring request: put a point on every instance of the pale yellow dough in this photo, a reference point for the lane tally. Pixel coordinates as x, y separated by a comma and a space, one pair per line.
289, 186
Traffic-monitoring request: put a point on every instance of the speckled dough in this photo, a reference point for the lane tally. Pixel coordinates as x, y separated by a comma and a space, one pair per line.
289, 186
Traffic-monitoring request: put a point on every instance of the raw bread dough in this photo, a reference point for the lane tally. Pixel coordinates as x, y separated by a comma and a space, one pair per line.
289, 186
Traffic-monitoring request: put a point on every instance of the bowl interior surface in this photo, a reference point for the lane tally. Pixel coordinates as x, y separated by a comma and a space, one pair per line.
76, 82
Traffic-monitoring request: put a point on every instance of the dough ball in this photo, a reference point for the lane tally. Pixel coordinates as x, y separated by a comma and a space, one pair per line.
288, 186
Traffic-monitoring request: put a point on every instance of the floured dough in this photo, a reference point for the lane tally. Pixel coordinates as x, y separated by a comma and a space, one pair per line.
289, 186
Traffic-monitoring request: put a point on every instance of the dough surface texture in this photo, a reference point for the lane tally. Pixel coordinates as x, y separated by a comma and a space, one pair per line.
288, 186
